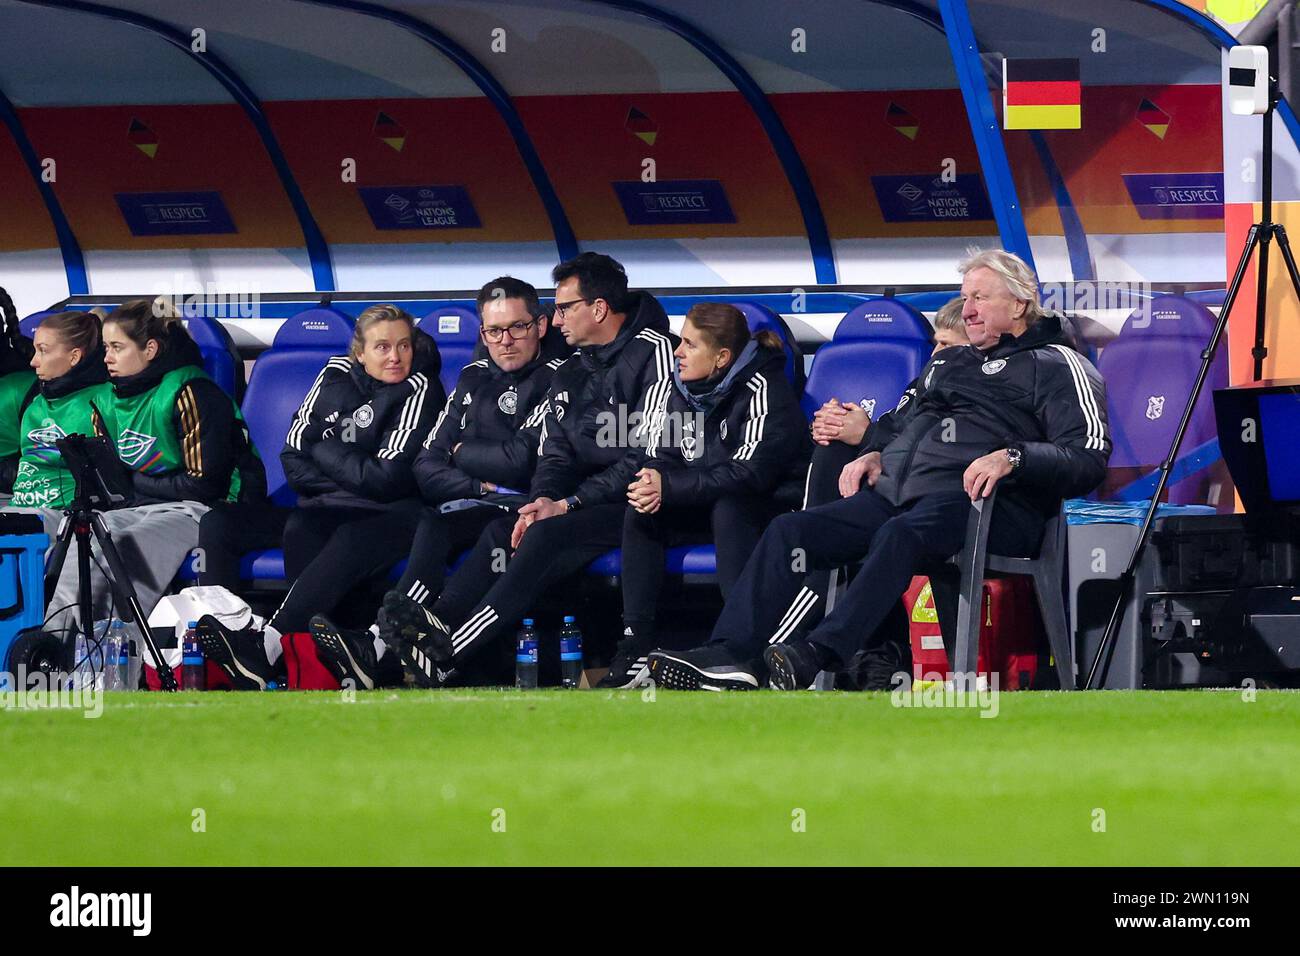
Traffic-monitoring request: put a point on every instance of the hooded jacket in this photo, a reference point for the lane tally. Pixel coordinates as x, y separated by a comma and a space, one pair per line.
180, 434
1033, 392
17, 385
353, 438
496, 418
600, 408
746, 437
72, 404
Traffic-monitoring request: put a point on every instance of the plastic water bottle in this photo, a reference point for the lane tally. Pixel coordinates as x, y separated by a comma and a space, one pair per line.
526, 657
570, 653
193, 671
113, 651
88, 659
134, 663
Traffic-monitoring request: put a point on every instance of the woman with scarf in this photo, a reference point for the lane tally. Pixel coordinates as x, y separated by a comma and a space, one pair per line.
728, 454
182, 443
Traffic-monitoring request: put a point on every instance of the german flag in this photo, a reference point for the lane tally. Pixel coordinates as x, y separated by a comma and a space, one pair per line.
390, 131
641, 126
1153, 118
902, 120
1040, 94
142, 138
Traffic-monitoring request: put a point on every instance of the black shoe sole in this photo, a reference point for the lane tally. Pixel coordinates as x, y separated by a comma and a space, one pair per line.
216, 648
338, 660
782, 674
673, 673
406, 625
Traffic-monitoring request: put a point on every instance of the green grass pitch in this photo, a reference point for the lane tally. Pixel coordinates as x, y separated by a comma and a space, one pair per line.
492, 777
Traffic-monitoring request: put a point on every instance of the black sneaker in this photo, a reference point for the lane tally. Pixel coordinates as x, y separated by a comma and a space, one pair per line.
348, 655
629, 669
711, 667
792, 666
240, 654
420, 639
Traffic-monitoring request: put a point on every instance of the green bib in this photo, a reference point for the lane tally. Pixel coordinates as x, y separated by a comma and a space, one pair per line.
13, 389
144, 427
43, 481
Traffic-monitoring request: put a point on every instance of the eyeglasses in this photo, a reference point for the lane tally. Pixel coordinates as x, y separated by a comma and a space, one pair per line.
517, 331
562, 307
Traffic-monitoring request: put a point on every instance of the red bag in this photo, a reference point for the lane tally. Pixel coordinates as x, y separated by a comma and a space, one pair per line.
1011, 631
306, 672
214, 676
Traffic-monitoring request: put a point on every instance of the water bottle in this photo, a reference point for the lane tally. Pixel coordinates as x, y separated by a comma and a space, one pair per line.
88, 659
526, 657
193, 671
112, 651
570, 653
134, 663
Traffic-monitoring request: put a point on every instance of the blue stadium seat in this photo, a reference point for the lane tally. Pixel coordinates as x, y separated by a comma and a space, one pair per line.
220, 356
1149, 369
281, 378
761, 319
877, 349
687, 559
455, 329
884, 320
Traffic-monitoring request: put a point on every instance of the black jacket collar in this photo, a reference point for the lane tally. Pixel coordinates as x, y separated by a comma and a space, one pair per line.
91, 370
643, 313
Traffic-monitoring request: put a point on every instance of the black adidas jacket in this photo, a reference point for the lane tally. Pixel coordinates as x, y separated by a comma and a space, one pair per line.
752, 441
1034, 392
216, 439
600, 408
353, 438
496, 418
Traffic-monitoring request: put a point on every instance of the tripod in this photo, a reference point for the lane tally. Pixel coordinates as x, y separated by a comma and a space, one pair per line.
1258, 238
80, 521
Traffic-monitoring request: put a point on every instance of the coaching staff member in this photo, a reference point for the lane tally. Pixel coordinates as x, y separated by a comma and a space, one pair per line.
1016, 405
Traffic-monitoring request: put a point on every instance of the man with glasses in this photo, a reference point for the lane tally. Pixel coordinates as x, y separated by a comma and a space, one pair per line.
475, 467
601, 411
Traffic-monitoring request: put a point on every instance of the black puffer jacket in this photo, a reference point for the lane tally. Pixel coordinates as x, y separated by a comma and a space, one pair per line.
496, 418
353, 438
1034, 392
751, 440
599, 409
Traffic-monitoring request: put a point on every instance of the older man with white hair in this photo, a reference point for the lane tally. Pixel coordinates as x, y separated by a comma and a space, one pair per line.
1018, 406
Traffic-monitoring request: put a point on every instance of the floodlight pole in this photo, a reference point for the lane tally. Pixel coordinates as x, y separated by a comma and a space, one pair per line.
1260, 234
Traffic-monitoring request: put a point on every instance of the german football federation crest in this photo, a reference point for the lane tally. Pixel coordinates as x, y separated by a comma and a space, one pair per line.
722, 432
134, 447
689, 447
364, 416
508, 402
1155, 406
992, 368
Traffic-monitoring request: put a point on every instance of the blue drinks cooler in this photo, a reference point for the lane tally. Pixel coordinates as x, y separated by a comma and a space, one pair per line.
22, 586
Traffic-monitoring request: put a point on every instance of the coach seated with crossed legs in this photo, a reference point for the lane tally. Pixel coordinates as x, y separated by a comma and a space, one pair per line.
1016, 407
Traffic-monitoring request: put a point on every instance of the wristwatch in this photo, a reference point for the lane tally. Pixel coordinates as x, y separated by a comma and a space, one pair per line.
1015, 455
572, 504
